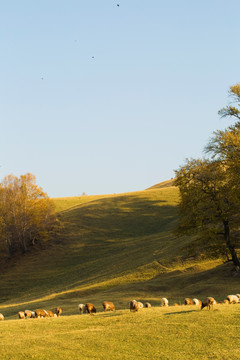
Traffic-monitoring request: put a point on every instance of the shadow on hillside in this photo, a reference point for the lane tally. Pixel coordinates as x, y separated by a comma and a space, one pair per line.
181, 312
110, 314
121, 217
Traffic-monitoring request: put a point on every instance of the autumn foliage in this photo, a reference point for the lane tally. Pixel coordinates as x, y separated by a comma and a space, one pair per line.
26, 213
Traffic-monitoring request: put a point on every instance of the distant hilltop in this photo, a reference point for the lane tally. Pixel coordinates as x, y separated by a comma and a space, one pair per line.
162, 184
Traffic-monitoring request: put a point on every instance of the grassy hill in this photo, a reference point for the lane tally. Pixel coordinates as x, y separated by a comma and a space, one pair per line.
113, 247
163, 184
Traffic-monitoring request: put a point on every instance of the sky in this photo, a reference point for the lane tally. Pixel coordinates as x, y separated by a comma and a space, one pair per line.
104, 99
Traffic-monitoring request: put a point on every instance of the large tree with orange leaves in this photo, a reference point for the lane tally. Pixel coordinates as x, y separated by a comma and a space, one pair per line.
26, 213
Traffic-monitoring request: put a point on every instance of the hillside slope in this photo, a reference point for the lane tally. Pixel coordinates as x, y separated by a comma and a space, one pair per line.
114, 247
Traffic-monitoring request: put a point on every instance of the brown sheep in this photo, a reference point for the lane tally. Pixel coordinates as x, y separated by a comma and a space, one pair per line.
225, 301
132, 305
1, 317
175, 304
208, 302
108, 305
29, 314
58, 311
147, 305
21, 315
40, 313
50, 313
90, 308
135, 305
188, 301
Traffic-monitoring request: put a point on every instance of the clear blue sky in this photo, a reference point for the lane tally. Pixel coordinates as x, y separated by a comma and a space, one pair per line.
125, 119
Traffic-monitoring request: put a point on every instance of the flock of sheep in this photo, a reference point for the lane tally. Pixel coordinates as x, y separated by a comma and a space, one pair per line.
39, 313
136, 305
133, 305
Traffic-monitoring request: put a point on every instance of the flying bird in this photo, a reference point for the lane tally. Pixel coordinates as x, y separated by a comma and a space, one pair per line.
117, 4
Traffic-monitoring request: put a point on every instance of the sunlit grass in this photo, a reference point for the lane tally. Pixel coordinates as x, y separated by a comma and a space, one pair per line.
173, 333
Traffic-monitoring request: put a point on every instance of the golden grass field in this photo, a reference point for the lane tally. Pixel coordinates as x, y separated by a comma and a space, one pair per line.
117, 248
172, 333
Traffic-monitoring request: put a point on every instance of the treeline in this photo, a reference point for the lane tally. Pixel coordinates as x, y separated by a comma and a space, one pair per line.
27, 215
210, 190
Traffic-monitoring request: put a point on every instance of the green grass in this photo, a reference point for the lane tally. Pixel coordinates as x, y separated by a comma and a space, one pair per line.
174, 333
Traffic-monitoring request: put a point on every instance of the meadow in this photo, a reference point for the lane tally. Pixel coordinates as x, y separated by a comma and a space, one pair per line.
172, 333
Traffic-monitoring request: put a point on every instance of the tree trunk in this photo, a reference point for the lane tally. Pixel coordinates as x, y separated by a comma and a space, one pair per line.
230, 246
23, 245
10, 248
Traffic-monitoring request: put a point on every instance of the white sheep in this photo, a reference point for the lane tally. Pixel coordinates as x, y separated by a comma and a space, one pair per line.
233, 299
1, 317
82, 308
196, 302
164, 302
139, 304
21, 315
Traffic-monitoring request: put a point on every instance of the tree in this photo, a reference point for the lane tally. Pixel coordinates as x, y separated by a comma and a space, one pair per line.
209, 189
26, 213
208, 207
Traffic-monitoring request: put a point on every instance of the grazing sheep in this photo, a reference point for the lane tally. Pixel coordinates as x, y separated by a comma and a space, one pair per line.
135, 305
90, 308
147, 305
108, 305
225, 301
140, 305
188, 301
1, 317
82, 308
164, 302
50, 313
29, 314
21, 315
58, 311
233, 299
208, 302
132, 305
196, 302
40, 313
